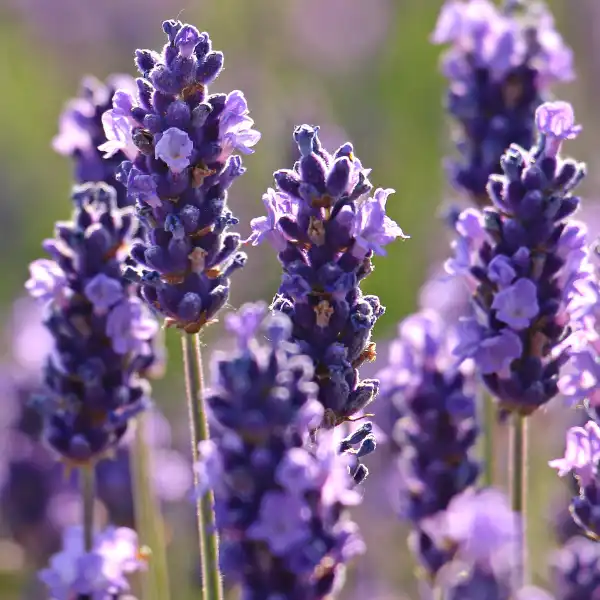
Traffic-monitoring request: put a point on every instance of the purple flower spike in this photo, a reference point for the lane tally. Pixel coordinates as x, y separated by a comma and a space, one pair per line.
184, 160
500, 67
527, 265
326, 227
280, 494
94, 381
556, 122
435, 431
99, 574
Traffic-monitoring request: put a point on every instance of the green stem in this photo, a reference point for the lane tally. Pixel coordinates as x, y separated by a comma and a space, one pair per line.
148, 518
209, 543
489, 425
518, 488
87, 496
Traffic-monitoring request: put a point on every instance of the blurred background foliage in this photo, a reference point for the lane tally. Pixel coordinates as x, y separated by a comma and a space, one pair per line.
363, 70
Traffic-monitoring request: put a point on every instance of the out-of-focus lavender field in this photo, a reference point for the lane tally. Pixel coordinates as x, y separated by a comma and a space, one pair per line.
361, 69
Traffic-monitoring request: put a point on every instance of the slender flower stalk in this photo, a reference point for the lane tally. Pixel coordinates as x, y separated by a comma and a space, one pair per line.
326, 228
88, 495
180, 142
280, 493
500, 67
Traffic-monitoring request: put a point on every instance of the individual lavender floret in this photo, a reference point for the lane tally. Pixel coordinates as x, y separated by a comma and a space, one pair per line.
81, 132
437, 430
523, 259
280, 500
102, 332
576, 570
500, 66
326, 228
180, 143
101, 573
581, 457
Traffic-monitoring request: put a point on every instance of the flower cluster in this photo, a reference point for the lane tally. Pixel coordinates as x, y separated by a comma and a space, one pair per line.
525, 262
437, 428
279, 500
81, 131
326, 228
581, 457
102, 332
98, 574
180, 143
500, 66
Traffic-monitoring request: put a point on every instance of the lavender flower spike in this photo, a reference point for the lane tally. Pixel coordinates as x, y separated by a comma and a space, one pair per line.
100, 574
500, 67
326, 228
525, 262
582, 454
102, 332
81, 132
280, 500
437, 430
181, 143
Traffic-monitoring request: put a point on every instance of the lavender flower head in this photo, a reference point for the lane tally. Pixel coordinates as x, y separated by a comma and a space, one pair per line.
524, 261
582, 454
280, 500
500, 66
180, 142
436, 431
81, 131
102, 332
326, 227
101, 573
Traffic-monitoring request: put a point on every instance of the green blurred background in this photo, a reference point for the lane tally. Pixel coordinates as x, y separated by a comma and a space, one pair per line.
362, 69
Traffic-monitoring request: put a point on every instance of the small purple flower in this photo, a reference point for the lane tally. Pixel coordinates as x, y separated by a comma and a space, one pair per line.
297, 471
47, 282
283, 521
103, 292
117, 129
129, 326
244, 323
236, 126
266, 228
174, 148
582, 453
372, 228
99, 574
501, 271
556, 121
517, 304
186, 40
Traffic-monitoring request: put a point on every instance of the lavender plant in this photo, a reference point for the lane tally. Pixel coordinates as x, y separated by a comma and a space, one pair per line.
180, 143
500, 67
280, 500
326, 229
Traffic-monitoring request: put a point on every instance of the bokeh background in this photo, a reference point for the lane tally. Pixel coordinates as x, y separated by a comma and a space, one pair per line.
362, 70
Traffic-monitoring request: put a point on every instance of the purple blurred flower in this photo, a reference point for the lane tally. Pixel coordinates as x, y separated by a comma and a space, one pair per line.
100, 574
517, 305
91, 388
81, 131
556, 121
576, 570
280, 500
500, 67
48, 281
103, 292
